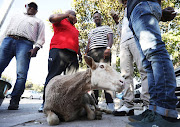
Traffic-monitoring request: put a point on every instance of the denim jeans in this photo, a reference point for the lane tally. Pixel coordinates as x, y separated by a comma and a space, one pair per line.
18, 48
155, 58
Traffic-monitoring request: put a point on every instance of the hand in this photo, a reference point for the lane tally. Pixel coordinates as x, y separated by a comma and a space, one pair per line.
168, 14
115, 18
33, 52
107, 53
72, 19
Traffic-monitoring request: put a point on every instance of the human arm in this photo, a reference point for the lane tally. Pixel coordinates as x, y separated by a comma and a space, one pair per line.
55, 18
4, 34
87, 47
115, 18
168, 14
118, 24
2, 38
109, 45
33, 52
40, 40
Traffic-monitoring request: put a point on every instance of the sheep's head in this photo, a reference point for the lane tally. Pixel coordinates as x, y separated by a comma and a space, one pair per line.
104, 76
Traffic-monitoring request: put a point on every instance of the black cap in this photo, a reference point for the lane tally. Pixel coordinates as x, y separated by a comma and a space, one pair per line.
33, 4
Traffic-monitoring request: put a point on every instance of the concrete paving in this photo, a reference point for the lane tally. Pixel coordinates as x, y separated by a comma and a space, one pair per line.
27, 115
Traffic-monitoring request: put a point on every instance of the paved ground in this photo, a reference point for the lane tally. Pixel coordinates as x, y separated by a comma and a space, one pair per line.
27, 115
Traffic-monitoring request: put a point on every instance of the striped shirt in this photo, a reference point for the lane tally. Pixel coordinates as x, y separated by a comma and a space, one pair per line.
98, 37
27, 26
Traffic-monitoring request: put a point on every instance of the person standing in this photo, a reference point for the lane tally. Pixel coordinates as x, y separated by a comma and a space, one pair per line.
128, 54
99, 45
144, 17
23, 31
64, 47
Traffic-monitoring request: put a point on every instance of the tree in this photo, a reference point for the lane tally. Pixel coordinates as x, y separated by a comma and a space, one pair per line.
6, 78
31, 86
28, 84
85, 9
171, 32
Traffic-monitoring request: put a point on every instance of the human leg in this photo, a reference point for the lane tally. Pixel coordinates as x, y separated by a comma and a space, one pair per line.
22, 63
72, 62
98, 56
53, 70
6, 53
109, 100
58, 62
126, 63
160, 72
137, 58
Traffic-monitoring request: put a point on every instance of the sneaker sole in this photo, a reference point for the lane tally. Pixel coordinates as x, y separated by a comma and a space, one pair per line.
40, 110
123, 113
12, 108
132, 120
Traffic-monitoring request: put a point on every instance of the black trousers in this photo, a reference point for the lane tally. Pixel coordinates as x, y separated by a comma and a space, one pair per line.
98, 56
60, 60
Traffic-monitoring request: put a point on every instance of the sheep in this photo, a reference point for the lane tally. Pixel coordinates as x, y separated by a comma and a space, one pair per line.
67, 96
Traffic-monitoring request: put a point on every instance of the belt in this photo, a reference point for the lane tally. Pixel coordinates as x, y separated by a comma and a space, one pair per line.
18, 37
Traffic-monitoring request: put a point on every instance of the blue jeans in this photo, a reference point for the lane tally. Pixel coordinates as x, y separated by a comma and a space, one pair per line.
18, 48
144, 21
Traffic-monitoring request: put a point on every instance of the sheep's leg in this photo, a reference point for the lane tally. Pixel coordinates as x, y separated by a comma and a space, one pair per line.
90, 113
90, 107
98, 112
97, 109
52, 118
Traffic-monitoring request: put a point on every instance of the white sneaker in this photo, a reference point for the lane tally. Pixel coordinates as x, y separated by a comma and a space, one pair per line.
110, 106
124, 111
124, 108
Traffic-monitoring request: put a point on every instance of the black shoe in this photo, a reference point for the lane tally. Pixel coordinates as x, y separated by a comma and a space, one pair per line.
139, 117
153, 119
14, 104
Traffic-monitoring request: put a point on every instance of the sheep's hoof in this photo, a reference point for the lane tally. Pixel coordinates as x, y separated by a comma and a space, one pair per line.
52, 119
98, 115
91, 115
106, 111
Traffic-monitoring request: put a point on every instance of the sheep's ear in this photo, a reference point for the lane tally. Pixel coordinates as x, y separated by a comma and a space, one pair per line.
90, 62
